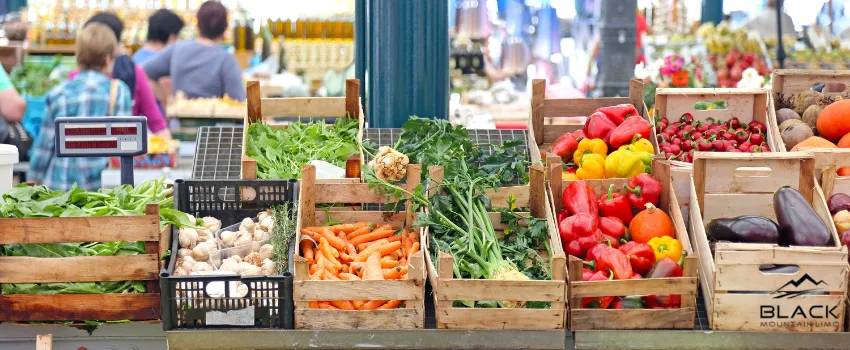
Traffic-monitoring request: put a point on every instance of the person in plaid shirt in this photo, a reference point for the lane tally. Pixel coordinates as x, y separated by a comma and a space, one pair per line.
87, 95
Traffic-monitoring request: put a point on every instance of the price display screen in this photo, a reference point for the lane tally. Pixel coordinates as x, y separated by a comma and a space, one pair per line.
127, 130
85, 131
101, 136
95, 144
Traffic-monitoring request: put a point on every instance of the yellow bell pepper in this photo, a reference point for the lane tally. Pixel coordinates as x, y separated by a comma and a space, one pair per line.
666, 247
569, 177
639, 145
591, 166
590, 146
646, 159
623, 164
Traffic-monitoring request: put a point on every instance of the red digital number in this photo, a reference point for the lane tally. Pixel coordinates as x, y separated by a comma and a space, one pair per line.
124, 130
91, 144
85, 131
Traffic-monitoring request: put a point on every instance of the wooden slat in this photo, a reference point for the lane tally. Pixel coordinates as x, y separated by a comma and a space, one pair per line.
359, 319
681, 285
780, 256
255, 108
499, 197
44, 342
467, 289
303, 107
359, 290
796, 80
743, 312
596, 319
731, 205
744, 176
538, 96
79, 269
553, 132
352, 98
500, 318
824, 157
80, 229
347, 193
578, 107
747, 277
70, 307
537, 191
307, 196
746, 104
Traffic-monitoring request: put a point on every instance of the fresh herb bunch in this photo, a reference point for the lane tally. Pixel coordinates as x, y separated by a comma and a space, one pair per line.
284, 230
280, 153
34, 78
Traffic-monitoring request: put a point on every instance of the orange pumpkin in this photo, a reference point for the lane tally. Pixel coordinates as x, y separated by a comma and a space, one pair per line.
843, 171
650, 223
834, 120
814, 141
844, 142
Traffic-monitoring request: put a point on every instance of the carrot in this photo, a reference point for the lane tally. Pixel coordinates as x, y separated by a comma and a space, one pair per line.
385, 227
373, 271
307, 250
388, 263
357, 267
392, 304
348, 277
358, 232
344, 257
372, 236
343, 304
389, 248
403, 277
394, 273
314, 304
333, 240
360, 224
414, 236
348, 228
402, 262
406, 243
372, 304
413, 249
313, 268
394, 238
358, 303
312, 233
349, 248
327, 249
364, 254
328, 276
327, 305
341, 236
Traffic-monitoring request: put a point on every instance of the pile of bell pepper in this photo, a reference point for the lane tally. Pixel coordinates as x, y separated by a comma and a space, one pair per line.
678, 140
594, 229
619, 129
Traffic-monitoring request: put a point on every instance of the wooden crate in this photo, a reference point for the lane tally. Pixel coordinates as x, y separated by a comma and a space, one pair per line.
80, 307
607, 319
412, 290
738, 296
789, 81
542, 108
260, 107
447, 288
827, 162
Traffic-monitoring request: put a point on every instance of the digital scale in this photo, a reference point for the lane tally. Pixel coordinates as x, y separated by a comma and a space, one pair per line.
123, 137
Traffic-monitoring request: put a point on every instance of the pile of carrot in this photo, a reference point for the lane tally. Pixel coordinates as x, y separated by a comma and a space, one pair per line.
358, 252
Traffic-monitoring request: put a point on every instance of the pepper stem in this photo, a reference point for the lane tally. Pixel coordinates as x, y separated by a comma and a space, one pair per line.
636, 138
681, 261
591, 264
636, 191
610, 193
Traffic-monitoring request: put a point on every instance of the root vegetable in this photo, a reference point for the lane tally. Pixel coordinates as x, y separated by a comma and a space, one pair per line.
268, 267
184, 252
266, 251
204, 235
211, 223
228, 238
188, 237
229, 265
254, 259
802, 100
785, 114
188, 263
247, 225
202, 267
795, 133
810, 116
389, 164
244, 238
267, 223
180, 271
201, 252
260, 235
252, 270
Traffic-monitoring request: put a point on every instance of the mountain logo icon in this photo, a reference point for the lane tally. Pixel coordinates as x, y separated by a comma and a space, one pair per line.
782, 292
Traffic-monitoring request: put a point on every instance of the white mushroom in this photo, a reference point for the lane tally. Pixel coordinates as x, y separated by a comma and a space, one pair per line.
202, 267
184, 252
212, 223
201, 252
247, 225
266, 251
242, 266
268, 267
260, 235
180, 271
252, 270
188, 237
229, 265
228, 238
267, 223
188, 263
243, 238
204, 235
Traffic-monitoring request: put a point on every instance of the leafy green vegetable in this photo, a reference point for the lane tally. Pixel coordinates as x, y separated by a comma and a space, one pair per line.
34, 78
280, 153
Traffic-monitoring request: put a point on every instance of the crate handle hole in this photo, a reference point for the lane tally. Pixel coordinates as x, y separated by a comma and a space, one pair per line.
215, 289
753, 172
772, 269
831, 87
718, 105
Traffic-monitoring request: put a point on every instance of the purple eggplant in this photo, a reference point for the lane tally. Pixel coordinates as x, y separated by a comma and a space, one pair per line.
798, 222
838, 202
744, 229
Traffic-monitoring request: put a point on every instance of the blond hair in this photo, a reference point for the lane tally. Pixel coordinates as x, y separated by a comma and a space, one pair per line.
95, 43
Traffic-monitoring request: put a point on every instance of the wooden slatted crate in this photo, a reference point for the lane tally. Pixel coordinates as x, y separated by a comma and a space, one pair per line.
80, 307
738, 295
621, 319
262, 107
448, 289
411, 291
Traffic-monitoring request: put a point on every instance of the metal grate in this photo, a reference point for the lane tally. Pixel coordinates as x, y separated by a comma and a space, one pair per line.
218, 153
701, 323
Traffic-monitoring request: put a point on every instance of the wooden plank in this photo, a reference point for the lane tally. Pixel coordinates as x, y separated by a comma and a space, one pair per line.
825, 157
468, 289
359, 319
352, 98
758, 312
796, 80
755, 175
538, 96
680, 285
44, 342
500, 318
79, 269
79, 229
416, 271
599, 319
347, 193
255, 107
578, 107
537, 191
70, 307
740, 103
249, 167
636, 95
303, 107
553, 132
359, 290
732, 205
499, 196
780, 256
445, 274
307, 196
821, 208
747, 277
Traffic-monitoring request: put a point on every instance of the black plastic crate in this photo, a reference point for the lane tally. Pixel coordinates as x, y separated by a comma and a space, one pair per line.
186, 303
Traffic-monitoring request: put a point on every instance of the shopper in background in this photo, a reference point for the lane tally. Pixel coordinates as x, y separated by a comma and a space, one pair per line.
144, 102
200, 67
163, 28
12, 105
90, 93
765, 22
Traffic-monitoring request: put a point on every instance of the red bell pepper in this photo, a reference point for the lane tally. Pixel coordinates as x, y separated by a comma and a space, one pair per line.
643, 189
597, 302
586, 273
624, 133
599, 126
619, 113
579, 197
594, 253
614, 242
631, 302
616, 261
565, 147
612, 226
616, 205
573, 248
587, 242
640, 255
579, 225
663, 301
665, 268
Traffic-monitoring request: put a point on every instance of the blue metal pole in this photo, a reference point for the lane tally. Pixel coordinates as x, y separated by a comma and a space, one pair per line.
712, 11
360, 31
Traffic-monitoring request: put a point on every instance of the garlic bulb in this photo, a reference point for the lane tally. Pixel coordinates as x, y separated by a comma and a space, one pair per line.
254, 259
180, 271
262, 215
267, 223
236, 258
204, 235
266, 251
268, 267
243, 238
252, 270
202, 267
184, 252
242, 266
212, 244
228, 238
201, 252
260, 235
188, 263
247, 225
229, 265
188, 237
211, 223
192, 219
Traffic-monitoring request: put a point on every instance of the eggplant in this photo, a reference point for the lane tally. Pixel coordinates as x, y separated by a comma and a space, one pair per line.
838, 202
798, 222
744, 229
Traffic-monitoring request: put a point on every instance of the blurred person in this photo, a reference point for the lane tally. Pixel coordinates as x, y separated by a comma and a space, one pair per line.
90, 93
12, 105
144, 101
16, 31
642, 29
765, 22
163, 28
200, 68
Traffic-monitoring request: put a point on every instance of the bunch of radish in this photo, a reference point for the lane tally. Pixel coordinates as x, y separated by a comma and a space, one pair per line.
680, 139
